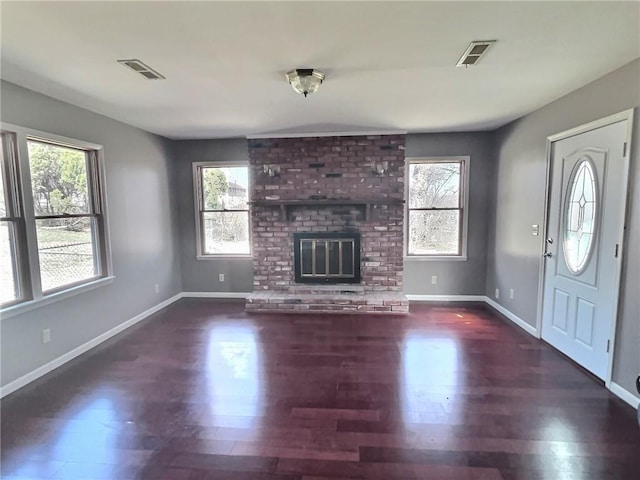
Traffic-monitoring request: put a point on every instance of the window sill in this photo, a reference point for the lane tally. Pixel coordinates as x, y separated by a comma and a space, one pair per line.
223, 256
435, 258
24, 307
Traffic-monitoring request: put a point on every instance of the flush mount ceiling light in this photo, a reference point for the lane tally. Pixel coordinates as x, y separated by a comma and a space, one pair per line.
305, 80
474, 52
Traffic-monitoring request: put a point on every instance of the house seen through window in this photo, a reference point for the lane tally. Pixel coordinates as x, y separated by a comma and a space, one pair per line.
223, 195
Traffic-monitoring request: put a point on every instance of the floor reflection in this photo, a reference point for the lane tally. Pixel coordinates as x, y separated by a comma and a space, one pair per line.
89, 428
234, 374
431, 379
564, 444
100, 443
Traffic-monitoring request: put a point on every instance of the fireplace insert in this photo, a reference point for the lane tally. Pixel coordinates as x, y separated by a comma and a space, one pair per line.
327, 257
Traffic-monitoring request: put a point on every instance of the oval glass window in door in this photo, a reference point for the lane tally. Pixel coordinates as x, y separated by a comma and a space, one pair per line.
580, 216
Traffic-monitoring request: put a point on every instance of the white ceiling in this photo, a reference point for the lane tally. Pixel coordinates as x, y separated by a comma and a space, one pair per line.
389, 65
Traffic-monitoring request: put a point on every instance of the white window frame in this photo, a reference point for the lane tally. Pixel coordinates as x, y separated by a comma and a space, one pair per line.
464, 208
33, 296
14, 215
197, 196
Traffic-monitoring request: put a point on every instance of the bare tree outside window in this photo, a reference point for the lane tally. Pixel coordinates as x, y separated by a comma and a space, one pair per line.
435, 208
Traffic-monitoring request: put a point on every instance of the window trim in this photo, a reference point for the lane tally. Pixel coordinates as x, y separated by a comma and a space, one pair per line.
93, 213
11, 310
15, 215
34, 296
197, 196
465, 160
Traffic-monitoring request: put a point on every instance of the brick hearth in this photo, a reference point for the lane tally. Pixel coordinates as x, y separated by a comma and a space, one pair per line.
326, 184
334, 300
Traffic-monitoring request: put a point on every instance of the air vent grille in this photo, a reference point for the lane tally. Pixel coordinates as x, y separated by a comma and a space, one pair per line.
141, 68
474, 53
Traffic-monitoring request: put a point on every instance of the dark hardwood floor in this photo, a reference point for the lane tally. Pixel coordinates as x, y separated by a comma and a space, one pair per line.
203, 390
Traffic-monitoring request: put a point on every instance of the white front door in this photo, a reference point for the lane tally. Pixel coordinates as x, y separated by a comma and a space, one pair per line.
584, 235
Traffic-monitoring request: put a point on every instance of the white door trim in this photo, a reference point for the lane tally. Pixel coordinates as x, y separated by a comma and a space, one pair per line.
603, 122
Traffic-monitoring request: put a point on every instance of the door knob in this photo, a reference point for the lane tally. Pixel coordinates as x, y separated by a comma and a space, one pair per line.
547, 254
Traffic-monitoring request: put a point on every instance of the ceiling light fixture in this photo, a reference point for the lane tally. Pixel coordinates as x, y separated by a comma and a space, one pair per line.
305, 80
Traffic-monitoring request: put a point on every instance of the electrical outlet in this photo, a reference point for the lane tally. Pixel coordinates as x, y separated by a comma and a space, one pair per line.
497, 293
46, 335
221, 277
511, 293
434, 279
157, 288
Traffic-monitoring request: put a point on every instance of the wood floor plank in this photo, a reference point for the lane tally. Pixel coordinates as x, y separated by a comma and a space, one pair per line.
203, 390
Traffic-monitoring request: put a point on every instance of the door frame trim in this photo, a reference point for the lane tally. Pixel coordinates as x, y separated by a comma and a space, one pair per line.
551, 139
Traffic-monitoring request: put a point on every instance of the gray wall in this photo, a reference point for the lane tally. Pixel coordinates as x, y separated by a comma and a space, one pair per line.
152, 221
202, 275
514, 254
141, 222
454, 277
457, 277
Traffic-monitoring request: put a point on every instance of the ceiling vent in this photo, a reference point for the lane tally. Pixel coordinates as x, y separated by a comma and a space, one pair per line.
144, 70
474, 52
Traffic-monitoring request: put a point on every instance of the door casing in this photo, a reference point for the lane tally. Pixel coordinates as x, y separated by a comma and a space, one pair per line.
617, 117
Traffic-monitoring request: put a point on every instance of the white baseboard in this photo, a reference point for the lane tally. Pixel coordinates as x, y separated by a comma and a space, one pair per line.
61, 360
511, 316
615, 388
476, 298
624, 394
215, 294
446, 298
11, 387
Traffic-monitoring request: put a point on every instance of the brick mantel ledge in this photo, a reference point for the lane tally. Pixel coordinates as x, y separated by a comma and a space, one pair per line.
285, 205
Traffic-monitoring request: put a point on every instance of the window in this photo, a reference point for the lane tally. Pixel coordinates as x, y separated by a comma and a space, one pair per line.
67, 215
12, 288
222, 196
436, 207
580, 214
52, 228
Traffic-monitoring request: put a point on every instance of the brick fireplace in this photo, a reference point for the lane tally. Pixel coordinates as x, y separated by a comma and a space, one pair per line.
327, 188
